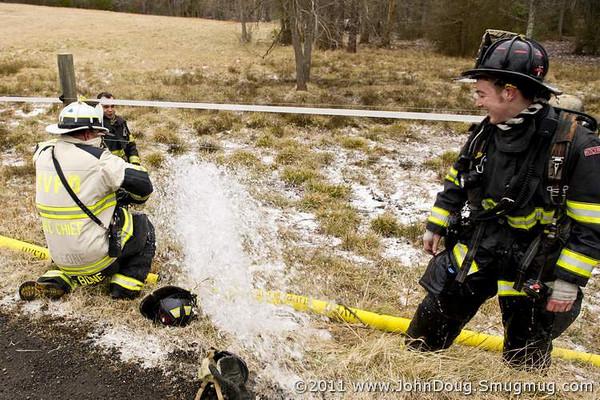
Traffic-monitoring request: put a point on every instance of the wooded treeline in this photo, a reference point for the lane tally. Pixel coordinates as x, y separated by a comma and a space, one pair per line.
454, 26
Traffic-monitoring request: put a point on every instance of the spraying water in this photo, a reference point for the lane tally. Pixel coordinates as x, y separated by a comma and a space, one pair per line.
230, 248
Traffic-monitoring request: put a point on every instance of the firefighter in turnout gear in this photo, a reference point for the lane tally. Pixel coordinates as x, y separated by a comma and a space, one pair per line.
91, 238
121, 143
519, 213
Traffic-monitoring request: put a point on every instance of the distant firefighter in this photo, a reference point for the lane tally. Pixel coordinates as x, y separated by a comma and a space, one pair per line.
122, 142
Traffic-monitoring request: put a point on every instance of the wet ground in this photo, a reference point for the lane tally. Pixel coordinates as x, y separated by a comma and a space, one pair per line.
47, 359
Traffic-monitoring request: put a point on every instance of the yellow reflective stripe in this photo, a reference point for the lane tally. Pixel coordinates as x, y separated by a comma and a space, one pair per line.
137, 167
134, 160
139, 198
187, 310
53, 212
127, 230
505, 288
460, 252
119, 153
452, 176
88, 269
527, 222
584, 212
439, 216
175, 312
127, 282
488, 203
576, 263
54, 273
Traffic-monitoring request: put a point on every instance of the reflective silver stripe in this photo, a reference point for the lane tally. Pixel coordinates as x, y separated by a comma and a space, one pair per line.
127, 282
88, 269
529, 221
439, 216
505, 288
584, 212
53, 212
576, 263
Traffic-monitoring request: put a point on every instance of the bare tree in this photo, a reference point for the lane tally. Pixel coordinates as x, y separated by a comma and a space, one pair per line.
391, 12
353, 26
365, 22
243, 9
302, 24
531, 18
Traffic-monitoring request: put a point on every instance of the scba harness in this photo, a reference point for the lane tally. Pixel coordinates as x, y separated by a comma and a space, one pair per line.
547, 163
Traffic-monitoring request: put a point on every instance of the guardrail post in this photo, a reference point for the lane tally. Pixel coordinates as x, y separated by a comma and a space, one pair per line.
66, 72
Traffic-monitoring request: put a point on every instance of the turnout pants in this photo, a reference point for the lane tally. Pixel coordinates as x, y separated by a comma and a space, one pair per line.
126, 275
528, 327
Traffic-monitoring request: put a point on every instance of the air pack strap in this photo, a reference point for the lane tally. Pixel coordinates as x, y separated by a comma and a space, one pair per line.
557, 182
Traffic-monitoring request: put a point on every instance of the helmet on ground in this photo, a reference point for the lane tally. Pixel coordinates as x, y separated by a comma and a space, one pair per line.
518, 59
78, 116
169, 305
223, 375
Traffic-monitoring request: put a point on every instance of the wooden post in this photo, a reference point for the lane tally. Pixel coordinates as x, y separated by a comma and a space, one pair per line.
66, 72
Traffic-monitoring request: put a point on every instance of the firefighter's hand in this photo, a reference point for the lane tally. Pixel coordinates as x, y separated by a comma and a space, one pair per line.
431, 242
563, 296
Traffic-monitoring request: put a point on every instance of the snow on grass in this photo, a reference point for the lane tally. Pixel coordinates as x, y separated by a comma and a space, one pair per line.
146, 350
33, 113
11, 158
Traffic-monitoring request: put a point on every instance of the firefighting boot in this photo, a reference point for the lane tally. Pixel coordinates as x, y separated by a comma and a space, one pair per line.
31, 290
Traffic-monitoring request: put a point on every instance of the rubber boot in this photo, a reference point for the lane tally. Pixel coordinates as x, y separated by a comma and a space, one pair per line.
31, 290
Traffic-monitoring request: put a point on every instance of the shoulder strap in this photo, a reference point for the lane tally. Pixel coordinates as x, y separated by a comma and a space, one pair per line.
83, 207
559, 155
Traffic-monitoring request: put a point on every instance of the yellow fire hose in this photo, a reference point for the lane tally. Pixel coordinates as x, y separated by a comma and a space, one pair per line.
387, 323
37, 251
390, 323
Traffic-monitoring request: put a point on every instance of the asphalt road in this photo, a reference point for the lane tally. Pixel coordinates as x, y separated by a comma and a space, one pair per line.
47, 359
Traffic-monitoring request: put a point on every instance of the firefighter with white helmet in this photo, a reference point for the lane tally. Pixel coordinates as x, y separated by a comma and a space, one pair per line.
92, 237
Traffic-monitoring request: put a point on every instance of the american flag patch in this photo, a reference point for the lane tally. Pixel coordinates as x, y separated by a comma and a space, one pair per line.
591, 151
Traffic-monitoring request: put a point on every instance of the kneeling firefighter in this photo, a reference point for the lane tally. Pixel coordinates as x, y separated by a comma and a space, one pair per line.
520, 212
91, 236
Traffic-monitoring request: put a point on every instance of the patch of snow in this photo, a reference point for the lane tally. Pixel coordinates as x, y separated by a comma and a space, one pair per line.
33, 113
146, 350
11, 158
405, 252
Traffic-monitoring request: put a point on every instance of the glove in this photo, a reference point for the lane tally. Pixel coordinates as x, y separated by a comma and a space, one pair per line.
563, 296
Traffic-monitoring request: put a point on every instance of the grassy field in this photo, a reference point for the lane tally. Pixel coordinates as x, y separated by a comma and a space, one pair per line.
291, 163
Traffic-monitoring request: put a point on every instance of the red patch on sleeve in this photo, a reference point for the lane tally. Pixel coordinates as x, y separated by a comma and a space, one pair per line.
592, 151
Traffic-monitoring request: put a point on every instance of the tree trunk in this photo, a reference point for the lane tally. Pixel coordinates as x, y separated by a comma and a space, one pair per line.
285, 35
353, 26
243, 19
302, 24
531, 19
365, 23
391, 11
561, 18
